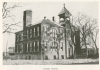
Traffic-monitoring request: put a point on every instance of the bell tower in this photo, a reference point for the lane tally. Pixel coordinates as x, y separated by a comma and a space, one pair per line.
64, 20
64, 16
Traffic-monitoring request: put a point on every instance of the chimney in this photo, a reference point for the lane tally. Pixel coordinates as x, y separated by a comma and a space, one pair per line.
44, 17
27, 18
53, 18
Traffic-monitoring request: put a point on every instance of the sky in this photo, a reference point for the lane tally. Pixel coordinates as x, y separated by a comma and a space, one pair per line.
48, 9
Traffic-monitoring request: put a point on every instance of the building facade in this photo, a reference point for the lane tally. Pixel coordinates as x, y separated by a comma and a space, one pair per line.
46, 39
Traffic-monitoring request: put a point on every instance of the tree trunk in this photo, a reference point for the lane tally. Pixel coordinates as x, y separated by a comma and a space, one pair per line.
58, 50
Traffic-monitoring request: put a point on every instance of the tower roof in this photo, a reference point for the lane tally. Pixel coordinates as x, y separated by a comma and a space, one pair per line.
64, 11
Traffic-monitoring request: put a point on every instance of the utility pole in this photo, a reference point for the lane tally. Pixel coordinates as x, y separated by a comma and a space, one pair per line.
7, 47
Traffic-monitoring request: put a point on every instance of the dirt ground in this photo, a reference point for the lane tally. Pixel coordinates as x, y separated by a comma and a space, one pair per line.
51, 62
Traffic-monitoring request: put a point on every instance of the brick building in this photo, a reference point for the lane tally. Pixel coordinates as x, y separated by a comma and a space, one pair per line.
46, 39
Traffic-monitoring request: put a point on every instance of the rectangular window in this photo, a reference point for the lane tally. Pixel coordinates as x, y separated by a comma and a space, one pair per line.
17, 38
69, 51
37, 46
30, 33
21, 36
62, 56
17, 49
38, 31
46, 57
34, 32
30, 47
45, 45
34, 46
21, 48
45, 48
27, 48
51, 48
54, 56
27, 34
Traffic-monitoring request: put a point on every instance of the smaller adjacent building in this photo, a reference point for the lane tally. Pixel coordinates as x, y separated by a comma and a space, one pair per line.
5, 55
11, 49
10, 54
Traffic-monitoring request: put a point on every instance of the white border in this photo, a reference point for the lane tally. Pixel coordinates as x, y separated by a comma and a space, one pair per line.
40, 67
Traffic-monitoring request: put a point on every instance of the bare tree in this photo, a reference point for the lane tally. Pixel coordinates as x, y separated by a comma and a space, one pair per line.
86, 27
7, 13
93, 35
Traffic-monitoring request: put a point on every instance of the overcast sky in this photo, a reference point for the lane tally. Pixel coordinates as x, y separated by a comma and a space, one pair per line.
49, 10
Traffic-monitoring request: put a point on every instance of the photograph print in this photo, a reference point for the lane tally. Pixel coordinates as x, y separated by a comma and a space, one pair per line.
50, 33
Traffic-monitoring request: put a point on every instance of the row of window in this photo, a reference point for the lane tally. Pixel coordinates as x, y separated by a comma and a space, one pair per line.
62, 57
19, 48
30, 47
19, 37
33, 32
35, 46
28, 34
45, 28
54, 32
54, 46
